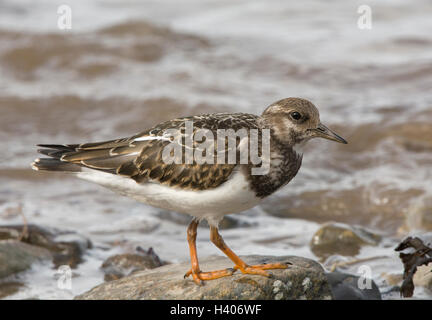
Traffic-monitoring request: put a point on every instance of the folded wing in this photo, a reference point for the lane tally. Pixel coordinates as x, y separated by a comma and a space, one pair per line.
140, 157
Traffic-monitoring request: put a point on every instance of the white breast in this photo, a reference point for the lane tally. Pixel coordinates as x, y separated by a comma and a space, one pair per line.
230, 197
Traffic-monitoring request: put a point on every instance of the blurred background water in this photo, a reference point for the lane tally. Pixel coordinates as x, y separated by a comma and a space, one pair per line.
127, 65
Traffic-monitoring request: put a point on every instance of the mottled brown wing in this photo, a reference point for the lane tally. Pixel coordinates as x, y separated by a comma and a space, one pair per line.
149, 165
140, 157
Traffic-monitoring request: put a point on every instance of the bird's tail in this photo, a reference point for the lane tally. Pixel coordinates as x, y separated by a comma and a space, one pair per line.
54, 163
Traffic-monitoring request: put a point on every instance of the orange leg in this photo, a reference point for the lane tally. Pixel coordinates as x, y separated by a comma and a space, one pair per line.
216, 238
195, 271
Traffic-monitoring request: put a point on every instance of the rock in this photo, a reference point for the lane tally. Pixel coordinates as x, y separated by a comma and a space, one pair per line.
8, 288
304, 279
16, 256
9, 233
23, 245
337, 238
121, 265
346, 287
66, 247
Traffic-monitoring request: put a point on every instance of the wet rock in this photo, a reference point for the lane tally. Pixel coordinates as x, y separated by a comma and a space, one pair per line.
9, 287
304, 279
66, 247
10, 233
16, 256
351, 287
338, 238
121, 265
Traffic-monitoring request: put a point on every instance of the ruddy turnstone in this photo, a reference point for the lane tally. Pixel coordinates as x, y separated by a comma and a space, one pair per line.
138, 167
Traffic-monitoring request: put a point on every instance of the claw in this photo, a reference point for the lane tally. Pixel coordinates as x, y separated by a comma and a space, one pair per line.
232, 270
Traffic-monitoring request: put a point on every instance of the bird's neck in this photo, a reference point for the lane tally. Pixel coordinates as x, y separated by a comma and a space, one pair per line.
285, 162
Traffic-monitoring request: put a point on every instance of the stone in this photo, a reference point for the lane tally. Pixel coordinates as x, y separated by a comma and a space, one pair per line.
346, 287
16, 256
65, 246
338, 238
121, 265
304, 279
9, 287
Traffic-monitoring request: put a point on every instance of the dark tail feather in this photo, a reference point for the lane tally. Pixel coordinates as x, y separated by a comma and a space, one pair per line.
65, 147
56, 148
55, 151
50, 164
56, 154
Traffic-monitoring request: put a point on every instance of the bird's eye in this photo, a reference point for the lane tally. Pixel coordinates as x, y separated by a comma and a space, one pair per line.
295, 115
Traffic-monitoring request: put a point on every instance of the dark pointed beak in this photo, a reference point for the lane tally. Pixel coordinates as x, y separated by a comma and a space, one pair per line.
324, 132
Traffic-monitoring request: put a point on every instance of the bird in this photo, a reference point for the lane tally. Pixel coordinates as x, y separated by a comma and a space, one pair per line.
155, 167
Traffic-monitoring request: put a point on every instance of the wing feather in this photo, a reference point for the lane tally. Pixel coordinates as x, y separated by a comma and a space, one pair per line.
140, 156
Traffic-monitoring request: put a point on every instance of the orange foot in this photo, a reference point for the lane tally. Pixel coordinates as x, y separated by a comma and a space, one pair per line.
260, 268
199, 277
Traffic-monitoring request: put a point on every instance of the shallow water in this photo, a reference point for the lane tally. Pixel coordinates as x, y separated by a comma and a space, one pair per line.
123, 68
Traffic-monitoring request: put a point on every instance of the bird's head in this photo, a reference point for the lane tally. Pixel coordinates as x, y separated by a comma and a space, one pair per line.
295, 121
